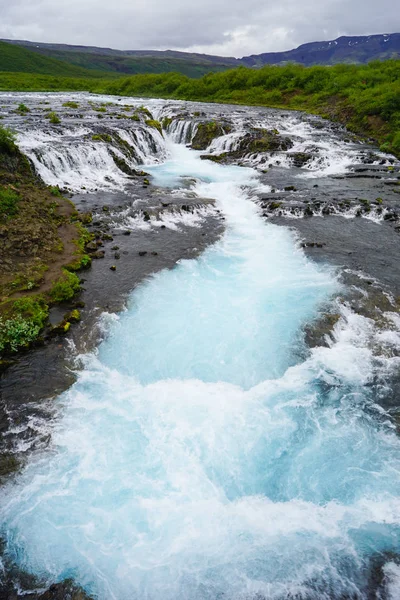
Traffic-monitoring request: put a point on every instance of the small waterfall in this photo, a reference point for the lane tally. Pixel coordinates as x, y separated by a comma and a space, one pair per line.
91, 158
226, 143
182, 131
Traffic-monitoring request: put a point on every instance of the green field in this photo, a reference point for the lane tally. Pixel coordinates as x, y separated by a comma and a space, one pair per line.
364, 97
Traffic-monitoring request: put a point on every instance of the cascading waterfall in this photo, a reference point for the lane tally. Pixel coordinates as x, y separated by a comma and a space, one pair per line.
198, 456
73, 159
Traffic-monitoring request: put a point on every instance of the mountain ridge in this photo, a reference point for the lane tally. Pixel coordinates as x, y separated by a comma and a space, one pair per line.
112, 62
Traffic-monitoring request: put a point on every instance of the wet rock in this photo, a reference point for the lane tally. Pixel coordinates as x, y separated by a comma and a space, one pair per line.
61, 328
74, 316
91, 246
300, 158
113, 268
117, 255
8, 464
66, 590
316, 333
142, 252
207, 132
98, 254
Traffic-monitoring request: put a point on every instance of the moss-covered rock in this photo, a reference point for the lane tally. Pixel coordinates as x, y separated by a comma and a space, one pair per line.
262, 140
207, 132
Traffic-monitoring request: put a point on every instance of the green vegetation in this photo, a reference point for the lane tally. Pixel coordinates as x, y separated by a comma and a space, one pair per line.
16, 59
39, 236
23, 109
205, 134
23, 327
155, 124
53, 118
8, 203
65, 288
119, 65
71, 104
102, 137
364, 97
7, 141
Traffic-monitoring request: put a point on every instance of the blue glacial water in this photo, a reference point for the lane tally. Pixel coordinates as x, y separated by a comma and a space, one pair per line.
198, 457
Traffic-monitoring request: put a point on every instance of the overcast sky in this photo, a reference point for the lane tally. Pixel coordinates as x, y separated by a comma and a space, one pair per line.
224, 27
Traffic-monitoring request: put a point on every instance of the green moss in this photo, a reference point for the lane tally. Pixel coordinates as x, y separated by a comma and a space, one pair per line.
65, 287
145, 111
155, 124
102, 137
166, 122
71, 104
205, 134
74, 316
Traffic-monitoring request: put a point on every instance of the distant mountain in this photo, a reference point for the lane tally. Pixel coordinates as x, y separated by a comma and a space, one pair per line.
354, 49
84, 60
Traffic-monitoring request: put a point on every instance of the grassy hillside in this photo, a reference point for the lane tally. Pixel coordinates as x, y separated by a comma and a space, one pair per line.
366, 98
133, 65
17, 59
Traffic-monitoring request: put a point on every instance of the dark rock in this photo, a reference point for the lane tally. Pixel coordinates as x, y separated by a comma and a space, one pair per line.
142, 252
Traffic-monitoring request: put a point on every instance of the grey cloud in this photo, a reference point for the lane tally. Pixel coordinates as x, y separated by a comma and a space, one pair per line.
226, 27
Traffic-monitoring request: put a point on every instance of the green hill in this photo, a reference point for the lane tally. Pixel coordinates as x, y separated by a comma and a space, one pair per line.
14, 59
123, 63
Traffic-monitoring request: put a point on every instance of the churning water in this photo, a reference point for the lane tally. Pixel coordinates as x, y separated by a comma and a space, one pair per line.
198, 456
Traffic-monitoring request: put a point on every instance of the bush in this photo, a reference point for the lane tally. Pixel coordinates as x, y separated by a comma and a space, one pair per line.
27, 318
65, 288
8, 203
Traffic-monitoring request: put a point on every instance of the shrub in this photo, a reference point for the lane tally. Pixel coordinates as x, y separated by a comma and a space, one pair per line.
27, 318
65, 288
8, 203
